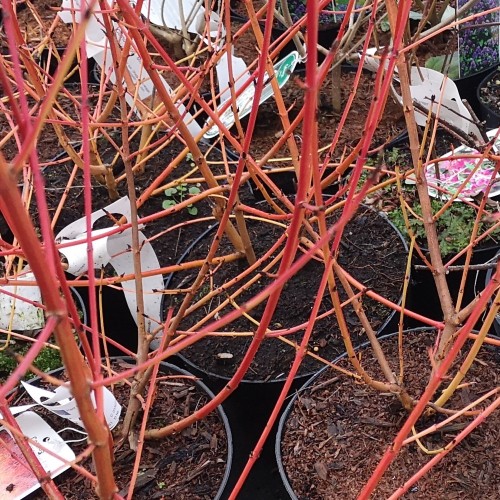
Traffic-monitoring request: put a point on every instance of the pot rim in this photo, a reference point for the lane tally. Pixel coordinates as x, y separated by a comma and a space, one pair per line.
492, 71
289, 406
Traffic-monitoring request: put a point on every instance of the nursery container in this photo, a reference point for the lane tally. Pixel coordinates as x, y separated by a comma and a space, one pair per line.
209, 356
489, 87
48, 358
182, 457
489, 274
324, 431
467, 87
424, 296
51, 67
326, 35
251, 404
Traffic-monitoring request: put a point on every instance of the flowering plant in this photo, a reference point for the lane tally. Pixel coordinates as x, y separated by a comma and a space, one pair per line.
479, 39
327, 17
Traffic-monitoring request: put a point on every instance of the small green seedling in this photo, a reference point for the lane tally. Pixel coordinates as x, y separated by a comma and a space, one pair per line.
178, 194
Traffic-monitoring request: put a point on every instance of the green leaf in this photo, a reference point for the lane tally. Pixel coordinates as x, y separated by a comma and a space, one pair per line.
170, 191
168, 203
385, 26
194, 190
192, 210
437, 63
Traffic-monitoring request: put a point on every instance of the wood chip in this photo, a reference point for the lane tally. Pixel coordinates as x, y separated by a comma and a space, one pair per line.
321, 470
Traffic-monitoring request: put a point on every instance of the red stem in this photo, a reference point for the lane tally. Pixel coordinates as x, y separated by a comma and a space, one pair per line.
453, 444
431, 388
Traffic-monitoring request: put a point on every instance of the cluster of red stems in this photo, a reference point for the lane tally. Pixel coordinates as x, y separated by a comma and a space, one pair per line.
28, 105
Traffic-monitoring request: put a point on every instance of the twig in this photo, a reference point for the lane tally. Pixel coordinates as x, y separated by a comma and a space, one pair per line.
451, 129
472, 267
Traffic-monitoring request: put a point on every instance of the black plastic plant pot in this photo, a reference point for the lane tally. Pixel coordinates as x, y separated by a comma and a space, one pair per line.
48, 358
215, 369
489, 274
467, 87
202, 117
235, 16
170, 370
285, 180
307, 392
119, 324
49, 61
488, 90
81, 306
326, 37
221, 493
424, 296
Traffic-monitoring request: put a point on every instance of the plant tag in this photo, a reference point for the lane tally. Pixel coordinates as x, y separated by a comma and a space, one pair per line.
283, 70
61, 403
97, 47
240, 74
469, 176
116, 251
145, 86
15, 313
70, 10
191, 13
173, 15
432, 90
17, 479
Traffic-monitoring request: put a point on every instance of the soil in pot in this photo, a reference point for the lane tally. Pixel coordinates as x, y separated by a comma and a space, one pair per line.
192, 464
336, 432
489, 100
372, 251
169, 235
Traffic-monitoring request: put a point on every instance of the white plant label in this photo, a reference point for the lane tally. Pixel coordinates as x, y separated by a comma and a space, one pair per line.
98, 48
173, 14
17, 480
63, 404
241, 75
426, 83
283, 70
115, 250
17, 314
168, 13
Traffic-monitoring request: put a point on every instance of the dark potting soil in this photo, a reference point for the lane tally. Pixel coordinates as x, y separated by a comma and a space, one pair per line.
169, 235
490, 93
372, 252
338, 430
187, 465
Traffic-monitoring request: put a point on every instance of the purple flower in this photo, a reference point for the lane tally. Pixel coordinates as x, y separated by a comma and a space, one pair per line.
479, 46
